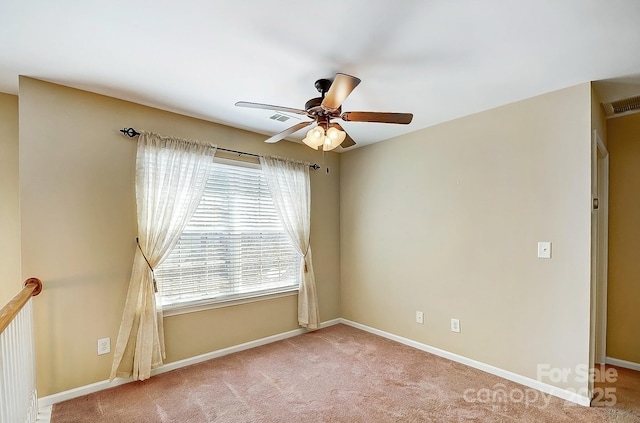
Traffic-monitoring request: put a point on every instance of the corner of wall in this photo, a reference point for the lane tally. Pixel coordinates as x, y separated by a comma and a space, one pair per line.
598, 118
10, 273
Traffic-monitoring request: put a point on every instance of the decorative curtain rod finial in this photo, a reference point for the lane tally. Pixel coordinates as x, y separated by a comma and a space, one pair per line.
130, 132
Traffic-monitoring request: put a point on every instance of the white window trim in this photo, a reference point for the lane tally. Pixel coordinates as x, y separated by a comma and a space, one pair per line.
184, 308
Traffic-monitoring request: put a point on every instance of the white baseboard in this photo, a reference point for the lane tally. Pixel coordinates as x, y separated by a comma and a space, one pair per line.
505, 374
622, 363
44, 414
105, 384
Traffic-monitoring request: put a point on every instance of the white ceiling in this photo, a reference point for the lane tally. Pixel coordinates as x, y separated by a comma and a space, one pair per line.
439, 59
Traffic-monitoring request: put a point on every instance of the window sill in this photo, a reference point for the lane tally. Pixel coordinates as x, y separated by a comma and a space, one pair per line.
174, 310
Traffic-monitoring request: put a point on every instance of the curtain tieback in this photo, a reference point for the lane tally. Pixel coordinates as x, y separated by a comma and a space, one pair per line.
305, 256
153, 275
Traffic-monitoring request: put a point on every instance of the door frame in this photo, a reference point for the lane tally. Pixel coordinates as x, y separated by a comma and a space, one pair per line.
600, 244
599, 253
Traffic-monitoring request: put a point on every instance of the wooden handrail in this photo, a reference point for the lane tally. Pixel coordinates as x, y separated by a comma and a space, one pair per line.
32, 287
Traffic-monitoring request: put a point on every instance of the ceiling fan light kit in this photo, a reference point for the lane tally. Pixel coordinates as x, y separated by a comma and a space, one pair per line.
314, 138
329, 135
317, 137
333, 138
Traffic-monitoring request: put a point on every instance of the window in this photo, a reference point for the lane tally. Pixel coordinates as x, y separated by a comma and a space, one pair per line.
234, 246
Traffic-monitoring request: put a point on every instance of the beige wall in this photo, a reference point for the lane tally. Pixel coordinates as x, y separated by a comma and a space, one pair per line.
446, 220
78, 231
623, 297
10, 277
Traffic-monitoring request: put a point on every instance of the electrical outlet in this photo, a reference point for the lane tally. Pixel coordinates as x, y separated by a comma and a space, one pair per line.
455, 325
104, 346
419, 317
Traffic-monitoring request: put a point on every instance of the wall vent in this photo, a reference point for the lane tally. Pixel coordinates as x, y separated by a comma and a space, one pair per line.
622, 107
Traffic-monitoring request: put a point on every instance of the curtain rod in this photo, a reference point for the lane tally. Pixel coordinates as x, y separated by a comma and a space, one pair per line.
130, 132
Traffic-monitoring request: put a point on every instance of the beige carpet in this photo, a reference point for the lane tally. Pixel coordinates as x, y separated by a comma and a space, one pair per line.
337, 374
623, 387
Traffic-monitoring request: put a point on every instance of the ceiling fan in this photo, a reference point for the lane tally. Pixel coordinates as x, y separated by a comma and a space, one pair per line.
328, 134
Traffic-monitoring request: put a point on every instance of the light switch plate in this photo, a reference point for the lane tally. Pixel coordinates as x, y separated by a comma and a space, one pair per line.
544, 249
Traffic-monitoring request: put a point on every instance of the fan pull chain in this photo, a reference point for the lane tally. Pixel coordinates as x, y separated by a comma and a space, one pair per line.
324, 161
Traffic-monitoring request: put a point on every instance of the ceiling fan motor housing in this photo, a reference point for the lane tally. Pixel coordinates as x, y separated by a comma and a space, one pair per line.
314, 102
314, 108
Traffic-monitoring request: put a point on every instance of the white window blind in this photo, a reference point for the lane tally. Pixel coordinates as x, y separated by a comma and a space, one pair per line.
233, 247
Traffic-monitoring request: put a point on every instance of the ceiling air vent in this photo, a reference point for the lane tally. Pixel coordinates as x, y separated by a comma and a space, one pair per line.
620, 107
280, 117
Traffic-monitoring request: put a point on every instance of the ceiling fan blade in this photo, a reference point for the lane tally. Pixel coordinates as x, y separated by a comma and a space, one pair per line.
270, 107
284, 134
382, 117
348, 141
340, 89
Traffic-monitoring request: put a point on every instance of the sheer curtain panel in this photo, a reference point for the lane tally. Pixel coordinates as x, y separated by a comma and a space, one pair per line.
170, 178
291, 190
